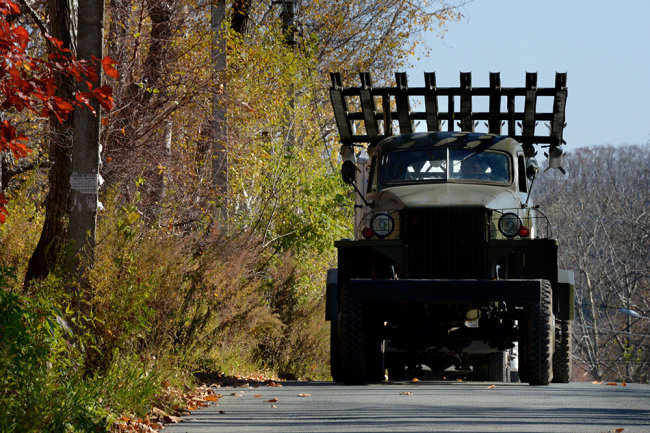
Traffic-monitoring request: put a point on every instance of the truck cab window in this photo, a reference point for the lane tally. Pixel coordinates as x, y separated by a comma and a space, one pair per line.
523, 187
372, 185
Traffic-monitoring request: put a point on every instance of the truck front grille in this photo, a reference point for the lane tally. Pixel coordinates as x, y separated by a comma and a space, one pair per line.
445, 242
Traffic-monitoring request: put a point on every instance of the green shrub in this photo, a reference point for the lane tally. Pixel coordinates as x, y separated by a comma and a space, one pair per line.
22, 229
41, 388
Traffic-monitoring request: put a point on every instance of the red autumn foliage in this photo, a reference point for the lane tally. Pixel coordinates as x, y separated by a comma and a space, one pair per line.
109, 67
28, 82
3, 210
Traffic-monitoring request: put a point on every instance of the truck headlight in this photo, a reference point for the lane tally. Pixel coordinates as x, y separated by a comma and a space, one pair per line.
382, 224
509, 224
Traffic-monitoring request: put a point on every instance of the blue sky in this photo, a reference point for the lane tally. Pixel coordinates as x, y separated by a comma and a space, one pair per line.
603, 46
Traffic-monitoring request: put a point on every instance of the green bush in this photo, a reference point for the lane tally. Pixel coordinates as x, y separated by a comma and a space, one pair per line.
41, 388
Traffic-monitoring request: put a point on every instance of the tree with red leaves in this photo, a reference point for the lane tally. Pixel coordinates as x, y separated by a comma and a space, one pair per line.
29, 83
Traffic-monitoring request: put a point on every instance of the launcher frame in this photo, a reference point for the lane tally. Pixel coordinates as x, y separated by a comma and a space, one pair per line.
375, 121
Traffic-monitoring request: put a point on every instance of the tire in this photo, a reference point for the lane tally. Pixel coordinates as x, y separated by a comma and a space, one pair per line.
375, 360
361, 356
481, 369
498, 370
395, 367
562, 354
537, 339
335, 352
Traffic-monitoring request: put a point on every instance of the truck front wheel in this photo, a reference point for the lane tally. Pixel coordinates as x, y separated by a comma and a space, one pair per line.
335, 352
536, 339
361, 356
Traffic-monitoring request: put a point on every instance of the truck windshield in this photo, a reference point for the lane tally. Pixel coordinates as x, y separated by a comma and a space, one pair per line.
423, 165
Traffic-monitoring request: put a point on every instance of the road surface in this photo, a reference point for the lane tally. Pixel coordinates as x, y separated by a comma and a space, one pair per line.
425, 406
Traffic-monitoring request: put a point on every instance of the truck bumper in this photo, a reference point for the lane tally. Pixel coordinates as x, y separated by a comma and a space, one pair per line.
437, 292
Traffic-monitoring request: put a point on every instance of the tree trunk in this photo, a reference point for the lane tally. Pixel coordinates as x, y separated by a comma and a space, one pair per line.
84, 180
240, 15
161, 13
214, 146
54, 234
143, 100
3, 172
219, 131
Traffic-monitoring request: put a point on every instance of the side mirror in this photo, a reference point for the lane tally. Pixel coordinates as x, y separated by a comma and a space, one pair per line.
348, 172
531, 168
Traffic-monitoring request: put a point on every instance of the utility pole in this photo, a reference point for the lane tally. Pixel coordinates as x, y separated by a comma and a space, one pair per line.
85, 179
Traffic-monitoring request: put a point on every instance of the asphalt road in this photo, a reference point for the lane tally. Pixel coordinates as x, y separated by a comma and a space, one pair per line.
430, 406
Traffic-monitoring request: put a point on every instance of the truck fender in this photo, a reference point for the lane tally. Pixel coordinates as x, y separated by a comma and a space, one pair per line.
566, 294
332, 295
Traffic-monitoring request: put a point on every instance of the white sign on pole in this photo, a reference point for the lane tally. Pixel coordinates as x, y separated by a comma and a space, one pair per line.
84, 183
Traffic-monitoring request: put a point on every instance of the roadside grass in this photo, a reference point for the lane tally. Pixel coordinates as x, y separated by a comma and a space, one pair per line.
157, 308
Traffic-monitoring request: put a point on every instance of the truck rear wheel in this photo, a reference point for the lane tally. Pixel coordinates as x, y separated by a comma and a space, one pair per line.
361, 356
335, 352
498, 367
395, 367
562, 354
537, 338
492, 367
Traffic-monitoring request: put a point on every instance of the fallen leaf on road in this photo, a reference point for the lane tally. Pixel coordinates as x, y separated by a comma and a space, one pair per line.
459, 380
612, 384
491, 387
415, 379
595, 382
257, 395
237, 394
623, 384
169, 419
211, 398
406, 393
273, 406
272, 400
302, 394
273, 384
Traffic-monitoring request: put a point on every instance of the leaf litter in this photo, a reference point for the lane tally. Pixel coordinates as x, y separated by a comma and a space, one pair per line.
200, 397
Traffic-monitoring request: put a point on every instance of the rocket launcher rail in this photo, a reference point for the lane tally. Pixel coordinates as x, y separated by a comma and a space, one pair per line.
379, 124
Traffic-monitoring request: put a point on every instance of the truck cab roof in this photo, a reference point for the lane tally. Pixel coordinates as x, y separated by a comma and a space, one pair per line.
470, 140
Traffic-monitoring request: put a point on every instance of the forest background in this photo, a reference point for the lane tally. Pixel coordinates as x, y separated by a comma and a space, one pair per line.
220, 202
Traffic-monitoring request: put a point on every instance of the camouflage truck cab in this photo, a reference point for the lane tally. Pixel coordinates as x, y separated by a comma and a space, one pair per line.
451, 265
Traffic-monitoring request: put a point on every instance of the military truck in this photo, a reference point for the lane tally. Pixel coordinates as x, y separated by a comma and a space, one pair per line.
452, 265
